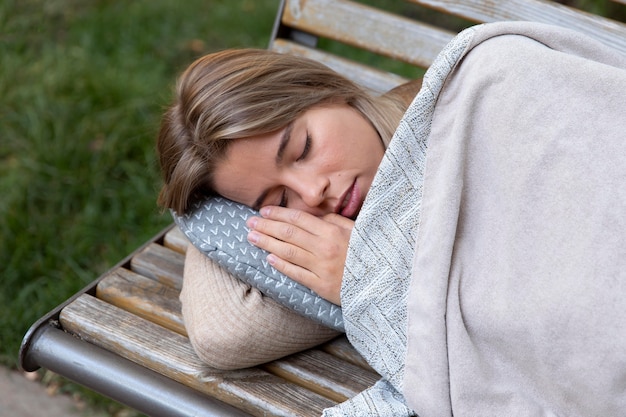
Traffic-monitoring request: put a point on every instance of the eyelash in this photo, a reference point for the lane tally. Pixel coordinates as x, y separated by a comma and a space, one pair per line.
305, 152
307, 147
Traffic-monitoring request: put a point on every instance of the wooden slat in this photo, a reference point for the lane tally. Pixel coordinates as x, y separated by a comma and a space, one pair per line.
368, 77
340, 347
319, 371
161, 264
154, 347
176, 240
324, 374
368, 28
144, 297
619, 1
605, 30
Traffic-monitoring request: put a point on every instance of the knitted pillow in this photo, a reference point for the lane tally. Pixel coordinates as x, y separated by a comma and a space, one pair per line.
217, 227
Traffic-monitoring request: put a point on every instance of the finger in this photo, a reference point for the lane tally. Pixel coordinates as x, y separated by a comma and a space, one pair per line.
295, 272
319, 249
292, 253
325, 289
339, 220
301, 247
283, 231
302, 219
296, 263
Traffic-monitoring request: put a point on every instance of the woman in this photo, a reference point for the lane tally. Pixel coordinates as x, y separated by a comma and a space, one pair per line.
240, 108
487, 281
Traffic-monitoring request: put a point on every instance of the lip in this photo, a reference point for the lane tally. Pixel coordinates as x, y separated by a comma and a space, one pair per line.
350, 202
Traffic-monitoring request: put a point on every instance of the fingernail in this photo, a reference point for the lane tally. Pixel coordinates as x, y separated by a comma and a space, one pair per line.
271, 259
265, 211
253, 237
252, 222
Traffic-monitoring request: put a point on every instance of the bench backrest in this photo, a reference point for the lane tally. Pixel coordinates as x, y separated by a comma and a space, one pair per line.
303, 23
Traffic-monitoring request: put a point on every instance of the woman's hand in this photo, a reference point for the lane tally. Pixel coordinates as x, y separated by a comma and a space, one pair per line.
309, 249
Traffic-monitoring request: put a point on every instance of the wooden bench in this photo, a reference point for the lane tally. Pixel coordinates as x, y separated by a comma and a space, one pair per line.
123, 335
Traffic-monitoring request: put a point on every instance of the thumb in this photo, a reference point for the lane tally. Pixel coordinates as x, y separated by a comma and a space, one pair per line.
339, 220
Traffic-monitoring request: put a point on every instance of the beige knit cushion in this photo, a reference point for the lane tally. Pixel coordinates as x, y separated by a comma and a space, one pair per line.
232, 325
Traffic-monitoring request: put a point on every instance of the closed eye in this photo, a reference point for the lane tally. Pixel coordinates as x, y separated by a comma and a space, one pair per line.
307, 147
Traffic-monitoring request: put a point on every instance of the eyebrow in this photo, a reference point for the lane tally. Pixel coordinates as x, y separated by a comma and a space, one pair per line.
284, 141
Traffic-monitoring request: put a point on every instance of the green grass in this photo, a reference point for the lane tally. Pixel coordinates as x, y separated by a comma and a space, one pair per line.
82, 87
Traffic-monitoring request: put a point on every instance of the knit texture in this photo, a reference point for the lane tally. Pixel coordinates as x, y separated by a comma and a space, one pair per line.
232, 325
380, 254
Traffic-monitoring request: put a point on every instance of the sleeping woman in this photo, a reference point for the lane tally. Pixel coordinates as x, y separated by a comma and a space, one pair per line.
478, 256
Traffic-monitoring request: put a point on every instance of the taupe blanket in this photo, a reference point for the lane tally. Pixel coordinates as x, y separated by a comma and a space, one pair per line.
517, 300
496, 227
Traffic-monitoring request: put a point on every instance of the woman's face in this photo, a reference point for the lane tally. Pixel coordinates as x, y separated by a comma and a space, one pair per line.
324, 162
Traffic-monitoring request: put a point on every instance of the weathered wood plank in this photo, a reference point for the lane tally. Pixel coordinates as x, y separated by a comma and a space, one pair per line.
316, 370
324, 374
176, 240
370, 78
605, 30
161, 264
368, 28
144, 297
341, 348
154, 347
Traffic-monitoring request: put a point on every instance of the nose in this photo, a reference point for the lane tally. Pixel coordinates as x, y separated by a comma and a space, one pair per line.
311, 189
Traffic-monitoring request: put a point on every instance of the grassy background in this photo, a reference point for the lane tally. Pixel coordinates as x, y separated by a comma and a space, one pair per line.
82, 86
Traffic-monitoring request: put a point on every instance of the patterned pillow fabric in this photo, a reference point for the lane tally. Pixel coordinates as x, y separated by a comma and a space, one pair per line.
217, 227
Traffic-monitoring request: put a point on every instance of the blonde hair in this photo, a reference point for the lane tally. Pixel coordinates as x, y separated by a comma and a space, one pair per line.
242, 93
